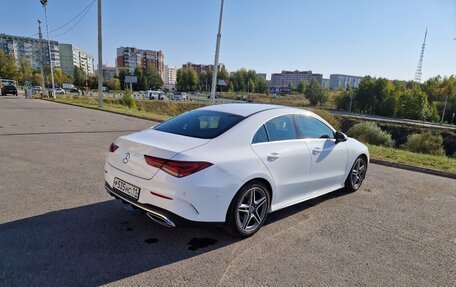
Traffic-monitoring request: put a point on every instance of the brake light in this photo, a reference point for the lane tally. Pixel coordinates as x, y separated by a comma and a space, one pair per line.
113, 147
177, 168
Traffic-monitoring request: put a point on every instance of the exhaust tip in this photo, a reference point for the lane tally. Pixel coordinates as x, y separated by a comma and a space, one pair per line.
161, 219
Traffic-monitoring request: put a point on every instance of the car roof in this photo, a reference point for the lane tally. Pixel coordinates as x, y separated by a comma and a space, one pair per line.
242, 109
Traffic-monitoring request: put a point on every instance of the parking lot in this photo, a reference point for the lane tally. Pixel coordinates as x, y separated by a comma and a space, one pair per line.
58, 226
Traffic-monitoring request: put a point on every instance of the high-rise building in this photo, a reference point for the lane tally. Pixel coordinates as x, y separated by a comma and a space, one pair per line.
30, 49
283, 79
71, 56
343, 81
170, 75
199, 68
325, 83
130, 58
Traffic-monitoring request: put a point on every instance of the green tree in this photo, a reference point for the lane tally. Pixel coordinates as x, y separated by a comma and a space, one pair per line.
364, 96
187, 80
8, 67
25, 71
413, 104
153, 78
122, 73
79, 77
261, 85
302, 86
315, 94
113, 84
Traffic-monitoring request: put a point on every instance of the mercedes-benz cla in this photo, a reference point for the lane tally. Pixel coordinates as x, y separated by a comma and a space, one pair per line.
231, 165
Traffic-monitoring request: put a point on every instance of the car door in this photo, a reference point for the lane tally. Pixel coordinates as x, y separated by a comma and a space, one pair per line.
328, 158
286, 157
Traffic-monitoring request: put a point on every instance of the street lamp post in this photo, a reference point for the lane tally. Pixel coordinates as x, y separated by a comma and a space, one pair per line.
44, 3
217, 50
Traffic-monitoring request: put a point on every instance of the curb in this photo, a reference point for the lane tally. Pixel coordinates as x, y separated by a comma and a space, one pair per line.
413, 168
372, 160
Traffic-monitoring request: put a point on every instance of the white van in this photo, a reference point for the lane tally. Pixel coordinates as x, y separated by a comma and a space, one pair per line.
154, 95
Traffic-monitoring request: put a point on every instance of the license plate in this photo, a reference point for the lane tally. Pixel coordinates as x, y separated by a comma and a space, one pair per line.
126, 188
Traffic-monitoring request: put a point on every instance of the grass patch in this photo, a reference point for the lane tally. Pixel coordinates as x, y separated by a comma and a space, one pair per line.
416, 159
154, 110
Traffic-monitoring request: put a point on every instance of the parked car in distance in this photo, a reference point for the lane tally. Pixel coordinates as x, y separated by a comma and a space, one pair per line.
9, 89
38, 89
231, 165
179, 97
60, 91
75, 91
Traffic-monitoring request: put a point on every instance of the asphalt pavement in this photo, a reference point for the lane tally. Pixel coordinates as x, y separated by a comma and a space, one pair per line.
58, 226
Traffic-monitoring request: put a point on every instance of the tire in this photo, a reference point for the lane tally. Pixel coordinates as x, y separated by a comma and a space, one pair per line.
248, 210
356, 175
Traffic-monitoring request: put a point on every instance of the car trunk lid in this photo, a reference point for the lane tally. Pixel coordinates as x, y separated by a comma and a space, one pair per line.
129, 157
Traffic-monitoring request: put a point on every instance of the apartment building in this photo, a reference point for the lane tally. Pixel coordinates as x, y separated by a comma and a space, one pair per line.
283, 79
170, 75
343, 81
30, 49
130, 58
71, 56
199, 68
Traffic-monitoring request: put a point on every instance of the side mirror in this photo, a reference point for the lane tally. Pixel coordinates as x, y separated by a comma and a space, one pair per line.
340, 137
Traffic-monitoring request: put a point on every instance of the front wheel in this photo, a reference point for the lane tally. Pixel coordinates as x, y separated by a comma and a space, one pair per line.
356, 175
248, 210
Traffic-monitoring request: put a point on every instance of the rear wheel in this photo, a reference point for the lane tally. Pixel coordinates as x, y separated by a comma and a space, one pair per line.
248, 210
356, 175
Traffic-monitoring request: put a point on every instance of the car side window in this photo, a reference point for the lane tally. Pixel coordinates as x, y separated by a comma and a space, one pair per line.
281, 128
310, 127
260, 136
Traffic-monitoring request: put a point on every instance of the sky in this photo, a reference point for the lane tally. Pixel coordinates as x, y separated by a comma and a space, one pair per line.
381, 38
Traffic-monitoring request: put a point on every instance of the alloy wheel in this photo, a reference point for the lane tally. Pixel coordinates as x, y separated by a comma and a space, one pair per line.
252, 209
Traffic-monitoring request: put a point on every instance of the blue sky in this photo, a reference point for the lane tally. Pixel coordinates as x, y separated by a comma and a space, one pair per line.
381, 38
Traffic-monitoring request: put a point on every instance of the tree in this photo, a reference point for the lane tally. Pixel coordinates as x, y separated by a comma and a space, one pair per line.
413, 104
261, 85
302, 86
25, 71
365, 96
8, 67
153, 78
187, 80
61, 77
113, 84
79, 77
122, 73
315, 94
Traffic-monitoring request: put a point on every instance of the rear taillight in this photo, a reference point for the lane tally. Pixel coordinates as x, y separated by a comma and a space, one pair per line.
177, 168
113, 147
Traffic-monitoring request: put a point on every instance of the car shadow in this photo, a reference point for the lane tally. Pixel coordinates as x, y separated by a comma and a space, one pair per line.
101, 243
93, 245
291, 210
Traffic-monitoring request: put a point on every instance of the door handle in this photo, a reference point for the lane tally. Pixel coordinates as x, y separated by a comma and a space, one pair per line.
273, 156
316, 151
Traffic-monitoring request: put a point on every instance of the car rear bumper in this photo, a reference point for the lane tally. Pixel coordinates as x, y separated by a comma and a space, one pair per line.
160, 215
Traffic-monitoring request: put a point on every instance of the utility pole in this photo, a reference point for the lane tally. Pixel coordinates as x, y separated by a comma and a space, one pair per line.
217, 50
41, 57
44, 3
100, 58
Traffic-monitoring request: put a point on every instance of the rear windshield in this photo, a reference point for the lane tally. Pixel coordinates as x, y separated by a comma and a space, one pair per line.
200, 124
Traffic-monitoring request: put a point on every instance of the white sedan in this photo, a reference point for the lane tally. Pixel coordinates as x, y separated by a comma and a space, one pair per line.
230, 165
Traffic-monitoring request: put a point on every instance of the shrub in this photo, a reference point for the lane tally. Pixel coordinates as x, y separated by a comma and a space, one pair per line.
369, 132
128, 101
330, 118
425, 143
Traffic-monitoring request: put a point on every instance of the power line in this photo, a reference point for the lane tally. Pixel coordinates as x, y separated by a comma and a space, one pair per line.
75, 24
82, 11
